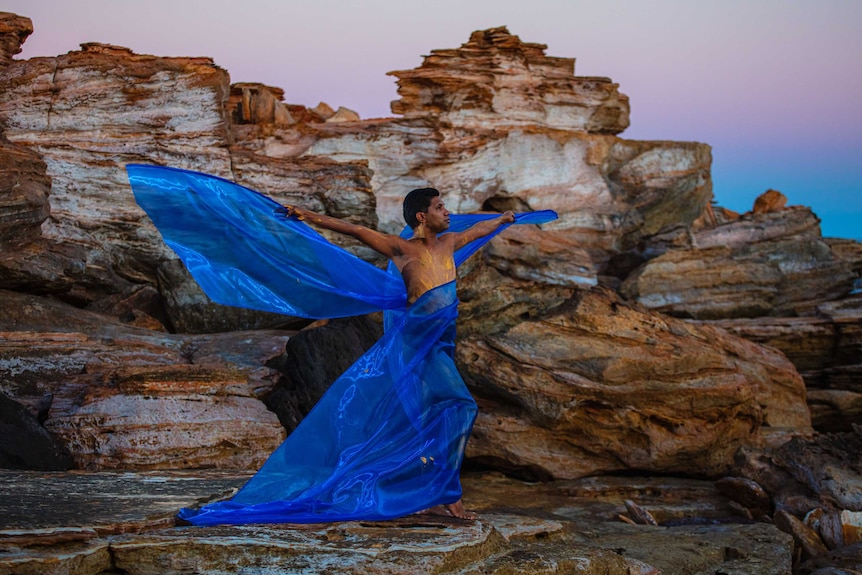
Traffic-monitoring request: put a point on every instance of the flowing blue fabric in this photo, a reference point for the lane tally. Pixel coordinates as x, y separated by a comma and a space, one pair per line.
387, 438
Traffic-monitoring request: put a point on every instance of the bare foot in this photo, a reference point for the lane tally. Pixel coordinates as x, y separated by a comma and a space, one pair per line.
457, 510
436, 510
450, 510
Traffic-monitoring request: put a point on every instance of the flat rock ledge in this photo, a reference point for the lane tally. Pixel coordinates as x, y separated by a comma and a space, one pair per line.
113, 523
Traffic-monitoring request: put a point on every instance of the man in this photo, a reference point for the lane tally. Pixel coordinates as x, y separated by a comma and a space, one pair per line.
425, 260
387, 438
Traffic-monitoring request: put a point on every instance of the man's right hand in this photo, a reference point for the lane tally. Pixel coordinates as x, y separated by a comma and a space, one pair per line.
291, 211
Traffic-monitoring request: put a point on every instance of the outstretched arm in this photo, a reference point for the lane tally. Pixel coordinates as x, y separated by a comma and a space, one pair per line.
482, 229
386, 244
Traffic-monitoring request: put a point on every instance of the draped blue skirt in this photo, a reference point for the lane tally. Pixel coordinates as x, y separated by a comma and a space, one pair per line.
387, 439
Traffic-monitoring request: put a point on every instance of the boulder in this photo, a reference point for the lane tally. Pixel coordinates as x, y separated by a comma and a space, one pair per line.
14, 30
497, 77
598, 386
821, 471
118, 396
826, 349
313, 359
769, 201
770, 264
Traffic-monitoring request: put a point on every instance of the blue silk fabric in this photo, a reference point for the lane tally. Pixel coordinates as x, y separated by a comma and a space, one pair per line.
387, 438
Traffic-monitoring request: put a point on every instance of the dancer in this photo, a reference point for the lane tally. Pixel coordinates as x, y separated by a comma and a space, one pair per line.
425, 261
387, 438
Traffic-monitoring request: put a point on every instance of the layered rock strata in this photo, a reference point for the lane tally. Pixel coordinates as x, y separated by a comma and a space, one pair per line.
623, 204
14, 30
123, 397
498, 80
568, 527
90, 112
497, 124
572, 382
769, 264
599, 386
826, 349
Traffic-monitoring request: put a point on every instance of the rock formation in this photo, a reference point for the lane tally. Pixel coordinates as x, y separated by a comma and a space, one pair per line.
826, 348
117, 396
598, 386
564, 528
498, 80
768, 264
497, 124
14, 30
628, 336
621, 202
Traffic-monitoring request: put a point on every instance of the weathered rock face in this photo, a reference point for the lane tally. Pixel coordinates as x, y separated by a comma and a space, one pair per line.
827, 351
14, 30
496, 124
769, 264
814, 485
600, 386
562, 527
25, 444
571, 382
89, 113
611, 194
848, 250
24, 206
770, 277
120, 397
499, 80
313, 359
24, 189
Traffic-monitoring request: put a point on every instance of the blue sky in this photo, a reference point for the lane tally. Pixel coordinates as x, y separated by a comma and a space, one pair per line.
774, 86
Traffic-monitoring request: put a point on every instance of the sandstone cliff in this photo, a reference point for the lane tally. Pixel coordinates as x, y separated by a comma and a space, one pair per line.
646, 331
586, 381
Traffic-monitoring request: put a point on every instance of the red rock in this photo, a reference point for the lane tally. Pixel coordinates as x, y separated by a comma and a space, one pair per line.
769, 201
24, 190
120, 397
14, 30
506, 81
806, 538
772, 264
252, 103
598, 386
826, 349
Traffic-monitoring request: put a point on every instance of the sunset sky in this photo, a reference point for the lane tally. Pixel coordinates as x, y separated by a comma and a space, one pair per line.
774, 86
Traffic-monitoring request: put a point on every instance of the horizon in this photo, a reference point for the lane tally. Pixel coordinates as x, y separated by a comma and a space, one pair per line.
773, 87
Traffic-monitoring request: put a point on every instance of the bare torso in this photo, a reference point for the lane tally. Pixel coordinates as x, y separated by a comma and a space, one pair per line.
425, 266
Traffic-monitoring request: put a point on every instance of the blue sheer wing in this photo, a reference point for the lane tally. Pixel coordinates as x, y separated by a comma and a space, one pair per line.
244, 254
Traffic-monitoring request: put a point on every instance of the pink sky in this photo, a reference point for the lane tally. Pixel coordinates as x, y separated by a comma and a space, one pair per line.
775, 86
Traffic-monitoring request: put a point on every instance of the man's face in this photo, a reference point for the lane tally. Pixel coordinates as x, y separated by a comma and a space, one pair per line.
437, 216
